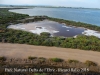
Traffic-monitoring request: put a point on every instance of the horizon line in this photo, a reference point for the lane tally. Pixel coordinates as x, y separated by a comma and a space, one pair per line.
44, 5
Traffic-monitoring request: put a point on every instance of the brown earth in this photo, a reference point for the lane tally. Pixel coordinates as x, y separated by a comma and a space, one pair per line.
23, 51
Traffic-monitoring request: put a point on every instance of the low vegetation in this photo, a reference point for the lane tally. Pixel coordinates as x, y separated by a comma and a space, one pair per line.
90, 63
73, 61
2, 59
31, 58
40, 74
10, 17
56, 59
45, 34
54, 64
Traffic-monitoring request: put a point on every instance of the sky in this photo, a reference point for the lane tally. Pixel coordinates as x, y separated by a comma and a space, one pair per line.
66, 3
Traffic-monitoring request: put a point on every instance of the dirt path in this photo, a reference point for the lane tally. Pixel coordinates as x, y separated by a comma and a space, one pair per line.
23, 51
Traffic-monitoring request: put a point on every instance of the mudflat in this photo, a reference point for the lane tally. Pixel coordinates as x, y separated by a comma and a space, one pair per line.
23, 51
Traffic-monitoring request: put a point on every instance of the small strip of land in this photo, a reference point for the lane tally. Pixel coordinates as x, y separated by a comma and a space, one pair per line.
24, 51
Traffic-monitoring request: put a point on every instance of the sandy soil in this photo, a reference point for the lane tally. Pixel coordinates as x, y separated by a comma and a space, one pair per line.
23, 51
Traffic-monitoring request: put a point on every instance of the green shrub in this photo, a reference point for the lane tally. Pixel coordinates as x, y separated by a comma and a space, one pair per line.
31, 58
41, 58
56, 59
90, 63
73, 61
45, 34
40, 74
2, 58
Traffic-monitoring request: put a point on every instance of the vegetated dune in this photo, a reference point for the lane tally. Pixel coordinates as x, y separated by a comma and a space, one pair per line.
23, 51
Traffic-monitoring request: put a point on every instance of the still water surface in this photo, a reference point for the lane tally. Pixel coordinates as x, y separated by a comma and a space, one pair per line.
91, 16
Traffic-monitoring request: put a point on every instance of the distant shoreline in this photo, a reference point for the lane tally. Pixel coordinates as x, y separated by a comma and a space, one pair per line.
30, 6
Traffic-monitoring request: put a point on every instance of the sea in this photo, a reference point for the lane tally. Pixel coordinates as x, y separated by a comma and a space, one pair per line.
90, 16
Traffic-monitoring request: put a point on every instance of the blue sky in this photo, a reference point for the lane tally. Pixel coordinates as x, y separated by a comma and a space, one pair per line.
67, 3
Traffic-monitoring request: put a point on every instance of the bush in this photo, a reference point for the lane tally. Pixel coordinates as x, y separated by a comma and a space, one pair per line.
73, 61
40, 74
90, 63
45, 34
2, 58
56, 59
41, 58
31, 58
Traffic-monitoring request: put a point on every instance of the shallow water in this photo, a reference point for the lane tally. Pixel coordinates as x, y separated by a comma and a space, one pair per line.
55, 28
91, 16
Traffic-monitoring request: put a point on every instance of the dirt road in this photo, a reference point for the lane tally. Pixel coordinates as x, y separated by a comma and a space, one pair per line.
23, 51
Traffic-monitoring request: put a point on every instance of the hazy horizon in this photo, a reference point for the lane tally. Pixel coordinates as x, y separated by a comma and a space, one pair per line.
65, 3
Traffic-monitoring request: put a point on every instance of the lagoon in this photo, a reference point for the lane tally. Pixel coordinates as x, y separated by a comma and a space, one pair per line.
52, 27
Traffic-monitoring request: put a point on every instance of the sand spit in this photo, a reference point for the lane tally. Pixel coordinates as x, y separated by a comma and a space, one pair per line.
23, 51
